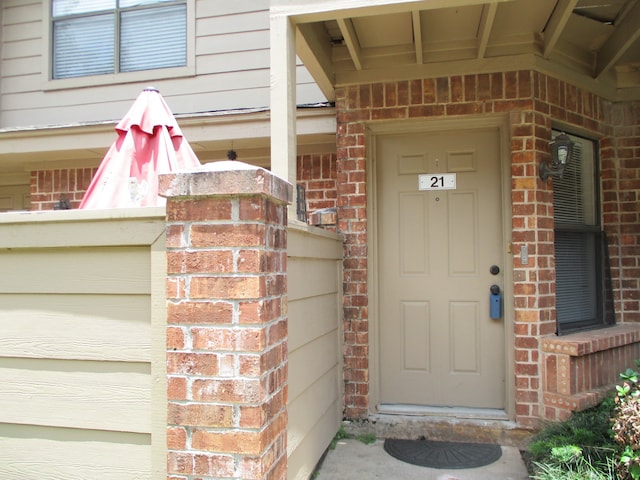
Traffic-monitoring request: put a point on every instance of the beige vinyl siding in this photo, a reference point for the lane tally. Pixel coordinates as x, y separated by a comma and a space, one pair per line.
22, 44
63, 326
314, 306
28, 452
121, 270
83, 379
231, 70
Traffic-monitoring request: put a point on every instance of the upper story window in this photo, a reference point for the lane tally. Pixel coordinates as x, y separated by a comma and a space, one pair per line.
97, 37
582, 290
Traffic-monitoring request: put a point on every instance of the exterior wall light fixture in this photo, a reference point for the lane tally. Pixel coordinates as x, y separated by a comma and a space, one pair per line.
561, 151
63, 204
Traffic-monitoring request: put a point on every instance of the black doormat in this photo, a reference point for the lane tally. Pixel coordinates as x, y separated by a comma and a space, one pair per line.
451, 455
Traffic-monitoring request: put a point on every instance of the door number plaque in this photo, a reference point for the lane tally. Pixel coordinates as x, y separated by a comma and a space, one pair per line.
437, 181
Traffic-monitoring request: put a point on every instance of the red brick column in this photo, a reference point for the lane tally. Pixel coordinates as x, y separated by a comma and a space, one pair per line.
226, 322
621, 206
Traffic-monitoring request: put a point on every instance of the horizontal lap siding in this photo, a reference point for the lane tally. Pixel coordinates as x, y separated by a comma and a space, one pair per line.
76, 394
231, 64
314, 348
64, 326
63, 454
76, 354
110, 270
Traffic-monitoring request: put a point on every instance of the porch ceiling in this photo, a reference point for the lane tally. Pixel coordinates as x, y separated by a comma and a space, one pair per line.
595, 43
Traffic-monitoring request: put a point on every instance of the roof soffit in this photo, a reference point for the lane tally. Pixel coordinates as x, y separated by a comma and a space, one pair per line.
595, 43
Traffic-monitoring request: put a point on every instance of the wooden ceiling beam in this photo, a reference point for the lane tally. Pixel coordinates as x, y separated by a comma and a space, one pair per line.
313, 46
486, 24
351, 41
559, 18
417, 36
622, 38
322, 10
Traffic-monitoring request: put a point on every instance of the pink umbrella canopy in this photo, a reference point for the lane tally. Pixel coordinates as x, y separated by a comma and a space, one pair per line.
149, 143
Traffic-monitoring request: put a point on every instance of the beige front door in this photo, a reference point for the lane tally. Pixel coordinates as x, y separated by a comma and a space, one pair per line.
438, 344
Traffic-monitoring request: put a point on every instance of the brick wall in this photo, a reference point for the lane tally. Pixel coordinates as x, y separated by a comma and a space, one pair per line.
532, 101
48, 187
621, 206
316, 172
318, 175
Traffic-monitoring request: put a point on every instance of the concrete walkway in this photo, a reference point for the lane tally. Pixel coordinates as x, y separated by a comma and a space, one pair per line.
353, 460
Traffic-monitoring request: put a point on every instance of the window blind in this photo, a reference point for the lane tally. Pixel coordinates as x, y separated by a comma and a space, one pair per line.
577, 242
575, 279
83, 46
153, 38
571, 200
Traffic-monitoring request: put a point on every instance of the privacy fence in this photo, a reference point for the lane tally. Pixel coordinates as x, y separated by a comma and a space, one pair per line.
105, 373
82, 345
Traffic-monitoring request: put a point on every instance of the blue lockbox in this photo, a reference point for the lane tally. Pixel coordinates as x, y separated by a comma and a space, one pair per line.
495, 302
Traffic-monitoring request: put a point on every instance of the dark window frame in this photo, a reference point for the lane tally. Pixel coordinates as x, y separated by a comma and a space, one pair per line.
582, 284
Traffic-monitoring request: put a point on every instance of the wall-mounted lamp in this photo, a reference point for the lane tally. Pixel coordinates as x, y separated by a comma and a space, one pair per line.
63, 204
561, 150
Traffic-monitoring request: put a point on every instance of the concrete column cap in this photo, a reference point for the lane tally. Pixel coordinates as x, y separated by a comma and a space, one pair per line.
225, 178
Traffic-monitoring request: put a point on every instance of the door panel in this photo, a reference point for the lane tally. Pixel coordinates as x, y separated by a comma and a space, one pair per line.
464, 337
463, 235
438, 344
414, 228
415, 333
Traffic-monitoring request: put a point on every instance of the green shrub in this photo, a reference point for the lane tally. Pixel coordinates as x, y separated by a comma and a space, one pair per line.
599, 443
581, 447
568, 463
589, 430
626, 423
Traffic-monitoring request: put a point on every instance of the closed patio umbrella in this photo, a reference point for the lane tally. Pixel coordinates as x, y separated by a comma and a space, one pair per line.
149, 143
